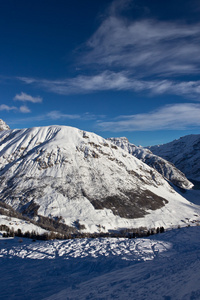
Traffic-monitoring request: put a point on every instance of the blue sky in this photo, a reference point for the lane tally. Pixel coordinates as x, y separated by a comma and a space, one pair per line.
117, 68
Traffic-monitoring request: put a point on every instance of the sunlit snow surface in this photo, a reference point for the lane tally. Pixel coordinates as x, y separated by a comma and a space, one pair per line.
129, 249
164, 266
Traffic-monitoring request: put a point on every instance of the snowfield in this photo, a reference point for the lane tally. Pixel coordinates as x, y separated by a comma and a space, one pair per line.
164, 266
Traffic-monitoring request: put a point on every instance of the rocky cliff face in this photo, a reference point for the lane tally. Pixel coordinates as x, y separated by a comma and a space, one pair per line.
184, 153
80, 178
164, 167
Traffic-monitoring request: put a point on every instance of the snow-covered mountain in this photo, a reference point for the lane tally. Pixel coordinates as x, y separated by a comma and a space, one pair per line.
184, 153
65, 173
3, 125
165, 168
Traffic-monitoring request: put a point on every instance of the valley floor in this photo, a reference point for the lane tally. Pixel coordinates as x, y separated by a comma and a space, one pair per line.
165, 266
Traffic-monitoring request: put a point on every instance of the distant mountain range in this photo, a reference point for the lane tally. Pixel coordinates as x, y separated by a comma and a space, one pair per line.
87, 182
184, 153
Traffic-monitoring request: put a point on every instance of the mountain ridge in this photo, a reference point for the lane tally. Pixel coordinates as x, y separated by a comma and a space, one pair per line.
164, 167
184, 153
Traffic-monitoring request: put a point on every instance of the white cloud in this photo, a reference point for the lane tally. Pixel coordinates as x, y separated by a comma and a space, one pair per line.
83, 84
171, 117
140, 49
56, 115
25, 97
146, 47
6, 107
121, 81
24, 109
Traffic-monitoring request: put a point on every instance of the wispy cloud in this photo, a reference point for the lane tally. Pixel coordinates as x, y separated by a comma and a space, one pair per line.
146, 47
120, 81
27, 98
24, 109
117, 6
83, 84
7, 108
143, 55
171, 117
56, 115
52, 115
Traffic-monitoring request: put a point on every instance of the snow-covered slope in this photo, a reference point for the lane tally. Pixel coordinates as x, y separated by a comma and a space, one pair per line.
184, 153
60, 171
165, 168
24, 226
163, 266
3, 125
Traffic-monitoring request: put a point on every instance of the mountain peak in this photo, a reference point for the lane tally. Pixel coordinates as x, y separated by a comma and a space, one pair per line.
3, 125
